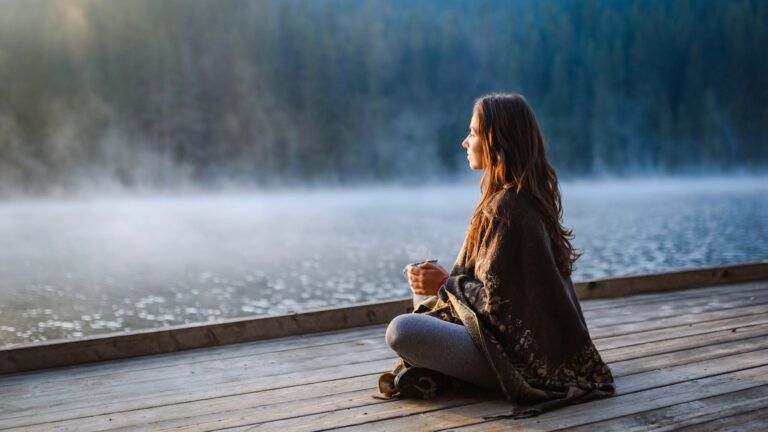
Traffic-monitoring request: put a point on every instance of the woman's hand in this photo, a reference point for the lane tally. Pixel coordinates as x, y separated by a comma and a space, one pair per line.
425, 278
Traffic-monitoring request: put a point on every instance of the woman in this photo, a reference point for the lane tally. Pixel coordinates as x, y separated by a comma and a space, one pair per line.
507, 316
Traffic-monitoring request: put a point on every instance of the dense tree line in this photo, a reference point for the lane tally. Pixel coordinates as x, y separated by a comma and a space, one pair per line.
162, 92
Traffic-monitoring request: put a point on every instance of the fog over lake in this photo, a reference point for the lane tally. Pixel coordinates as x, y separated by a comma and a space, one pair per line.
82, 266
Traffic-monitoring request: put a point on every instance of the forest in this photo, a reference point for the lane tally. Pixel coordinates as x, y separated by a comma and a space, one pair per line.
163, 94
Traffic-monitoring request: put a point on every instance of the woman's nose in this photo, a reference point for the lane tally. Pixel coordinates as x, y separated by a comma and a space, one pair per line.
464, 143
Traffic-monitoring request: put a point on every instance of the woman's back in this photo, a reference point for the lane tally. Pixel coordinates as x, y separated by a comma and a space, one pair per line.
524, 300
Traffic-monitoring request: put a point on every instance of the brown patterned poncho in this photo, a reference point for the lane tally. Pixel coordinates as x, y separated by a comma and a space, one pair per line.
522, 314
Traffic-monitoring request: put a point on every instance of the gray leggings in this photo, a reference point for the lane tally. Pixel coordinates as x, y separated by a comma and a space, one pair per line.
432, 343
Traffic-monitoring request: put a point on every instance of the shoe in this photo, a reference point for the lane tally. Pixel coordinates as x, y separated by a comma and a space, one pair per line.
421, 383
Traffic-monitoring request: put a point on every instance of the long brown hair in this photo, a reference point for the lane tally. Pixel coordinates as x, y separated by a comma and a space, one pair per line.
514, 156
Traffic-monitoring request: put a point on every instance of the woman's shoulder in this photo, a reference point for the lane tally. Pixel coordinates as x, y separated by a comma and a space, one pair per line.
510, 203
516, 210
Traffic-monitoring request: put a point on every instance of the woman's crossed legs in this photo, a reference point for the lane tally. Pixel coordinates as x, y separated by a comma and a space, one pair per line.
432, 343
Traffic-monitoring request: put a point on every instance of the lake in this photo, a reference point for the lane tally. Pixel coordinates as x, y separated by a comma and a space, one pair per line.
90, 265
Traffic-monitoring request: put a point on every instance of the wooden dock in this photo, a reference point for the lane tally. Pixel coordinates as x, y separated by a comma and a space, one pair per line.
695, 359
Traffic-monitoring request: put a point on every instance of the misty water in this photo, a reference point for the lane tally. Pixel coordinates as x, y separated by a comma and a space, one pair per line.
76, 267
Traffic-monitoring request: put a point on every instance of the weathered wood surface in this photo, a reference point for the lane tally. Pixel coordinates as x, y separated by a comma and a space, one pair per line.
618, 287
39, 355
694, 359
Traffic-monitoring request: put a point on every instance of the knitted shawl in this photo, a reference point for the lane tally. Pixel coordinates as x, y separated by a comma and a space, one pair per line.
523, 314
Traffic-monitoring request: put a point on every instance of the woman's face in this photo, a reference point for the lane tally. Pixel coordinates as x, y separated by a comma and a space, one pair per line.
473, 144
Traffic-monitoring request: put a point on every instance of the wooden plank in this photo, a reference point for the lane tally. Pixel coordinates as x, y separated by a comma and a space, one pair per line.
341, 394
618, 287
382, 327
286, 362
213, 370
628, 381
221, 376
752, 421
179, 338
677, 331
634, 384
678, 320
298, 342
200, 355
642, 312
161, 363
338, 395
47, 354
119, 367
317, 395
156, 377
118, 401
695, 413
710, 351
634, 403
605, 317
330, 419
682, 343
668, 297
654, 389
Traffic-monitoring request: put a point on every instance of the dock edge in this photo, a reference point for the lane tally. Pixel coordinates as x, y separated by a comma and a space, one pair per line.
113, 346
